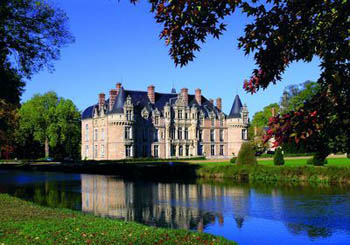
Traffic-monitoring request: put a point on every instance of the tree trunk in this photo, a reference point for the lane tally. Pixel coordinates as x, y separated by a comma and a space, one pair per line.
46, 147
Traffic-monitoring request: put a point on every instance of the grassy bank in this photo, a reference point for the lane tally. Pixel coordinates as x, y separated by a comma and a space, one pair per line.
295, 170
23, 222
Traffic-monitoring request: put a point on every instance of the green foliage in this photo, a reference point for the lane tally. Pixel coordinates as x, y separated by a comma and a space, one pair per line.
52, 121
31, 34
233, 160
278, 157
261, 118
246, 155
317, 160
42, 225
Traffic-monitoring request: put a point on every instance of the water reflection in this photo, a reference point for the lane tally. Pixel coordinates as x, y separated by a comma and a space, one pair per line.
249, 214
185, 206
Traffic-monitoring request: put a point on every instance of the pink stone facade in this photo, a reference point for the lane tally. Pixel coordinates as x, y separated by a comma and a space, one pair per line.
133, 124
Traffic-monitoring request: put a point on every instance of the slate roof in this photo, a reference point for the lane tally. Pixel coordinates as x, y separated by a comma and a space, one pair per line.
236, 108
140, 99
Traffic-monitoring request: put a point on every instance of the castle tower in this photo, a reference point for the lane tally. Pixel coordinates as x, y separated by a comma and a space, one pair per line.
237, 124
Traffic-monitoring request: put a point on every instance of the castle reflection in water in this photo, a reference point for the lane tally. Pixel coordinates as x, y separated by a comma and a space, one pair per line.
185, 206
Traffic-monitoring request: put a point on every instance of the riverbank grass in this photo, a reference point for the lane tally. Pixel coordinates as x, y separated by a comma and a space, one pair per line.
23, 222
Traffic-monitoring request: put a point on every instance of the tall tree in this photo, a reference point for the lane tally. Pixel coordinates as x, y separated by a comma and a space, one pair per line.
281, 32
53, 122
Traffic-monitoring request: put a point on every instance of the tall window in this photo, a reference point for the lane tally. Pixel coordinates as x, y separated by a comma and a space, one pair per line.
212, 135
128, 150
102, 151
244, 134
186, 115
128, 115
95, 151
200, 134
86, 151
221, 122
186, 133
221, 135
221, 150
173, 150
187, 151
212, 150
181, 150
128, 133
179, 114
213, 122
86, 132
200, 149
173, 133
179, 133
144, 135
102, 134
155, 151
155, 135
156, 120
95, 134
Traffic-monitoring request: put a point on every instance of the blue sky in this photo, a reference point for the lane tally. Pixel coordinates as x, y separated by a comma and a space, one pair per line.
117, 41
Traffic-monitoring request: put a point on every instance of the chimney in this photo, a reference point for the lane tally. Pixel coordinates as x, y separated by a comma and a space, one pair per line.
273, 111
101, 100
112, 96
211, 101
219, 103
198, 96
150, 93
118, 86
184, 92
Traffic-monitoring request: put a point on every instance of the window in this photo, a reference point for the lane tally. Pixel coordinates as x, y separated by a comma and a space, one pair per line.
156, 120
102, 151
155, 151
187, 151
186, 115
244, 134
95, 135
128, 150
95, 152
212, 150
173, 150
128, 133
162, 135
179, 133
212, 136
221, 122
179, 114
181, 150
87, 132
221, 150
86, 151
200, 149
221, 135
144, 135
155, 135
128, 115
173, 133
200, 136
102, 134
213, 122
186, 133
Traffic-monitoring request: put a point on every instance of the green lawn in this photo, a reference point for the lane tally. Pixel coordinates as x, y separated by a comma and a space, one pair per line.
23, 222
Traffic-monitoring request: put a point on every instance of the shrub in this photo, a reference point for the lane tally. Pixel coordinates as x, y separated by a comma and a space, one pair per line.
233, 160
278, 157
317, 160
246, 155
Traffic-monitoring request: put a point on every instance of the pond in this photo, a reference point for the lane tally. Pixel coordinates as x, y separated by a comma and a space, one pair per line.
248, 214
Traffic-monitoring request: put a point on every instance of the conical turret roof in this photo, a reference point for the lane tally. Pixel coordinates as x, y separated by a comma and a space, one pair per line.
236, 108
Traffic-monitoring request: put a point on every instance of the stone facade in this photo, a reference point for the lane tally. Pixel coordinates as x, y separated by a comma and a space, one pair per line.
163, 125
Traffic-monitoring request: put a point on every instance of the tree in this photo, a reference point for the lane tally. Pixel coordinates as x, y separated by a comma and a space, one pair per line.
278, 157
246, 155
53, 122
281, 32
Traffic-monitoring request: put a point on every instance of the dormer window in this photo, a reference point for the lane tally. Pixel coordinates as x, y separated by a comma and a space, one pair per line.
213, 122
156, 120
179, 114
128, 115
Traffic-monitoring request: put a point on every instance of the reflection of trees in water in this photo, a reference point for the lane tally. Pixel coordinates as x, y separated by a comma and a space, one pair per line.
52, 194
174, 205
311, 231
